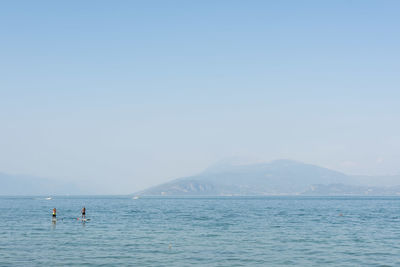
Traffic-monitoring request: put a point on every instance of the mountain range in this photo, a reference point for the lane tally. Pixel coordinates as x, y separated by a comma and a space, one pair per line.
11, 185
279, 177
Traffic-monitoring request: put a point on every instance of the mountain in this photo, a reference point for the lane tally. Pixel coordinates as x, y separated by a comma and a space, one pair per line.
341, 189
280, 177
378, 181
11, 185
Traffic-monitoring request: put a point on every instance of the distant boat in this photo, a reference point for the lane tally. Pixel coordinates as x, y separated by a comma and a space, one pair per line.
135, 197
48, 198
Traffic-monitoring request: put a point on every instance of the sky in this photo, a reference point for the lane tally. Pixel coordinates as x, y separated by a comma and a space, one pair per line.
117, 96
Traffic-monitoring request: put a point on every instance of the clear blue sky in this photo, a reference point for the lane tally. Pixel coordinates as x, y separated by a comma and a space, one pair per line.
133, 93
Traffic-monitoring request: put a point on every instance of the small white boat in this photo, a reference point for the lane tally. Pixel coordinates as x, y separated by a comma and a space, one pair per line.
48, 198
135, 197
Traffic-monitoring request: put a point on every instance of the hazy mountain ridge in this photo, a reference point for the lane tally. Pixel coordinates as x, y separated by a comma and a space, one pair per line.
31, 185
341, 189
377, 181
280, 177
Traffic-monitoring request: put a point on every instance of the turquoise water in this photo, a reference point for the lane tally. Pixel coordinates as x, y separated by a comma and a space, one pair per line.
225, 231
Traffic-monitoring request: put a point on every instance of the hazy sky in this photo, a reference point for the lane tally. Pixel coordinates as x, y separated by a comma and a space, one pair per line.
127, 94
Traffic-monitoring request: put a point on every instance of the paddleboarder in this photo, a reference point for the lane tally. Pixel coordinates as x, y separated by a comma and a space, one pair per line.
83, 212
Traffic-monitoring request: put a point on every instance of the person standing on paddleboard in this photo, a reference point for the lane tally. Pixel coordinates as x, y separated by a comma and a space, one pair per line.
83, 212
54, 213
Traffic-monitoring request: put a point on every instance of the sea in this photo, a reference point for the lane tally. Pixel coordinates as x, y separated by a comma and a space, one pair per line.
200, 231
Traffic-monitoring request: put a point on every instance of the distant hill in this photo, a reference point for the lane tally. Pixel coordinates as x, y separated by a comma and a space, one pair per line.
11, 185
352, 190
280, 177
377, 181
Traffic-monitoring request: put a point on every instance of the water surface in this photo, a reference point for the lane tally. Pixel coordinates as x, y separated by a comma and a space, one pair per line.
221, 231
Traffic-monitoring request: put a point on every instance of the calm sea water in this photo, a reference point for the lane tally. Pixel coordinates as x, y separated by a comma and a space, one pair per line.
226, 231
